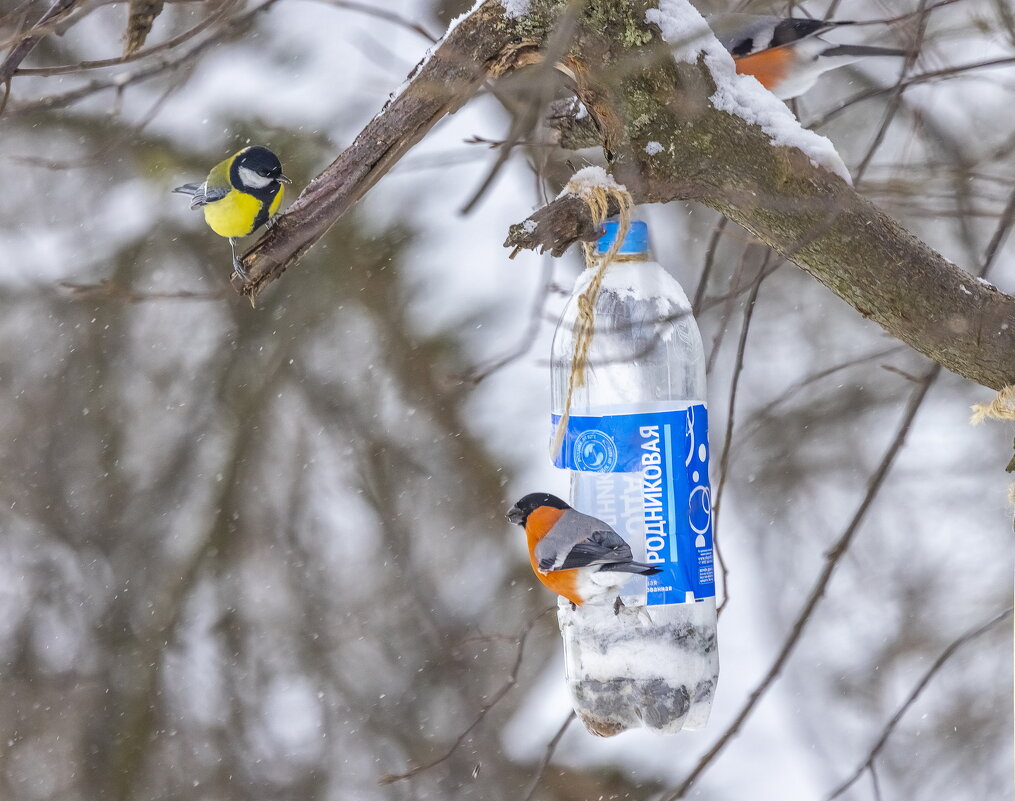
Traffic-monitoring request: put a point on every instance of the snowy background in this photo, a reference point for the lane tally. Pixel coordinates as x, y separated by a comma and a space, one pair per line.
262, 554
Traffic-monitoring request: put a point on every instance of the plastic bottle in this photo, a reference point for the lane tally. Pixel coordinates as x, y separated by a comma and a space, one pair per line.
637, 445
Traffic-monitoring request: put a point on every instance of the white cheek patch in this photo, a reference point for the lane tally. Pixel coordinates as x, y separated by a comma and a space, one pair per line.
250, 178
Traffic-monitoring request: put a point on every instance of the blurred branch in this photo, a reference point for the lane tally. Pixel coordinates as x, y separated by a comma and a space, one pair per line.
27, 43
923, 77
112, 290
832, 559
551, 747
511, 681
166, 63
137, 53
921, 685
724, 462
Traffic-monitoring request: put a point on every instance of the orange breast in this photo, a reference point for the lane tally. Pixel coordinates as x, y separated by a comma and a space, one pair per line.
769, 66
562, 582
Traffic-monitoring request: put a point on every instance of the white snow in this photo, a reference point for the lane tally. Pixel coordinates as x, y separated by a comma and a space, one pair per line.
742, 95
653, 147
587, 178
433, 48
529, 226
515, 8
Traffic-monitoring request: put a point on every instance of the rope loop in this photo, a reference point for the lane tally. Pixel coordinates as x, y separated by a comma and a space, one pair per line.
597, 195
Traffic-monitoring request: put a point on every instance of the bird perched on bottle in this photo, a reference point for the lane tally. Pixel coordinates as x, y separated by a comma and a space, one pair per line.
239, 195
574, 554
787, 54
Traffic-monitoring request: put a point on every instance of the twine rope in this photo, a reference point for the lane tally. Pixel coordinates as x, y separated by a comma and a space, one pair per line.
1001, 408
597, 196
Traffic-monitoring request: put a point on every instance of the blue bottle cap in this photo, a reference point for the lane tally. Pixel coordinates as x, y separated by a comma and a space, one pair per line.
636, 240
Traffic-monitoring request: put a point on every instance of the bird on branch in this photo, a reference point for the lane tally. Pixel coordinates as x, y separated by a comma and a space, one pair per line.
787, 54
240, 194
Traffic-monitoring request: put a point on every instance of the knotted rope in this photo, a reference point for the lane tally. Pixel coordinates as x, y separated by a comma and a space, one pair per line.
597, 196
1001, 408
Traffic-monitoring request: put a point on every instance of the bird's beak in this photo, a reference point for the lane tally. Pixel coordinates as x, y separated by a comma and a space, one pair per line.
515, 515
283, 180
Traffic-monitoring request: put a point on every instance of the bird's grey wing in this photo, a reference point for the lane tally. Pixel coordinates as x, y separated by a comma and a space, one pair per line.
578, 540
201, 194
602, 548
746, 34
743, 34
793, 29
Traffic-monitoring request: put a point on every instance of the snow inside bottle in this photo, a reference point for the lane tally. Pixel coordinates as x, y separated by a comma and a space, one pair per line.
636, 442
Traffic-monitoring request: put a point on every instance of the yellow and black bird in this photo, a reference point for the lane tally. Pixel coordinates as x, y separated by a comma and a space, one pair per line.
239, 195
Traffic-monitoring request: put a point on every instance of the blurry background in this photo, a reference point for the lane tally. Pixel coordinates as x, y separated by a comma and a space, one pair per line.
261, 554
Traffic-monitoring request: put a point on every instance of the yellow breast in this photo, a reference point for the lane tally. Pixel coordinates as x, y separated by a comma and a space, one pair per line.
233, 215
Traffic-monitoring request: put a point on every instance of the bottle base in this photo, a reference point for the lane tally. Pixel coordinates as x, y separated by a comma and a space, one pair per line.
639, 666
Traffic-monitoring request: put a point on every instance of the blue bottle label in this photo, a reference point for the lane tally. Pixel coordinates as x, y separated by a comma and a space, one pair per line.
661, 501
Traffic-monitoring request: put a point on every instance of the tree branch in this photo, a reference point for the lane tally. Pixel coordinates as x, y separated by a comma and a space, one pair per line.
482, 46
626, 77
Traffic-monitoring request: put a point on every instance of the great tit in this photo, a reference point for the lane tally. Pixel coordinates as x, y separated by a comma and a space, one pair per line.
239, 195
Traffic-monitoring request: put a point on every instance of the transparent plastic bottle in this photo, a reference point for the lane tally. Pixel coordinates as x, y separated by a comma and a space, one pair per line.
637, 445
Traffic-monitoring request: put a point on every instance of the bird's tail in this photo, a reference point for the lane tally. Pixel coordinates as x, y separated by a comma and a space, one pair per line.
632, 567
189, 189
862, 50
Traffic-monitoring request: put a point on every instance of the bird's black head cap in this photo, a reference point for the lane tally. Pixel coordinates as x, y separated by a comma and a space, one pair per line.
260, 160
257, 170
520, 512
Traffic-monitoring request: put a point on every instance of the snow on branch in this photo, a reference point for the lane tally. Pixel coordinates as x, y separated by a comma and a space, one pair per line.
685, 29
675, 122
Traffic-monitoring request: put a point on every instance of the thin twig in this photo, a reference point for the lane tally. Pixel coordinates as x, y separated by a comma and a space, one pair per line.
1003, 229
832, 559
109, 289
558, 44
528, 339
921, 685
896, 100
545, 762
706, 270
512, 679
924, 77
730, 417
82, 66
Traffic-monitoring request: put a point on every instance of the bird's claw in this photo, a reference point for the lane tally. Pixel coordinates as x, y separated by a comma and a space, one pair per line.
239, 271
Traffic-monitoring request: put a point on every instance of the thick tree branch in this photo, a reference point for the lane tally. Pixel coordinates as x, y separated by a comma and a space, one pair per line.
484, 45
637, 94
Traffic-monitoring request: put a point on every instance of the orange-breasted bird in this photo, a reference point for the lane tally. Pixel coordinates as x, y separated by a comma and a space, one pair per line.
787, 54
574, 554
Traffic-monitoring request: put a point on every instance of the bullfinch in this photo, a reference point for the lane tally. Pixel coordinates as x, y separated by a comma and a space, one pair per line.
787, 54
575, 555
